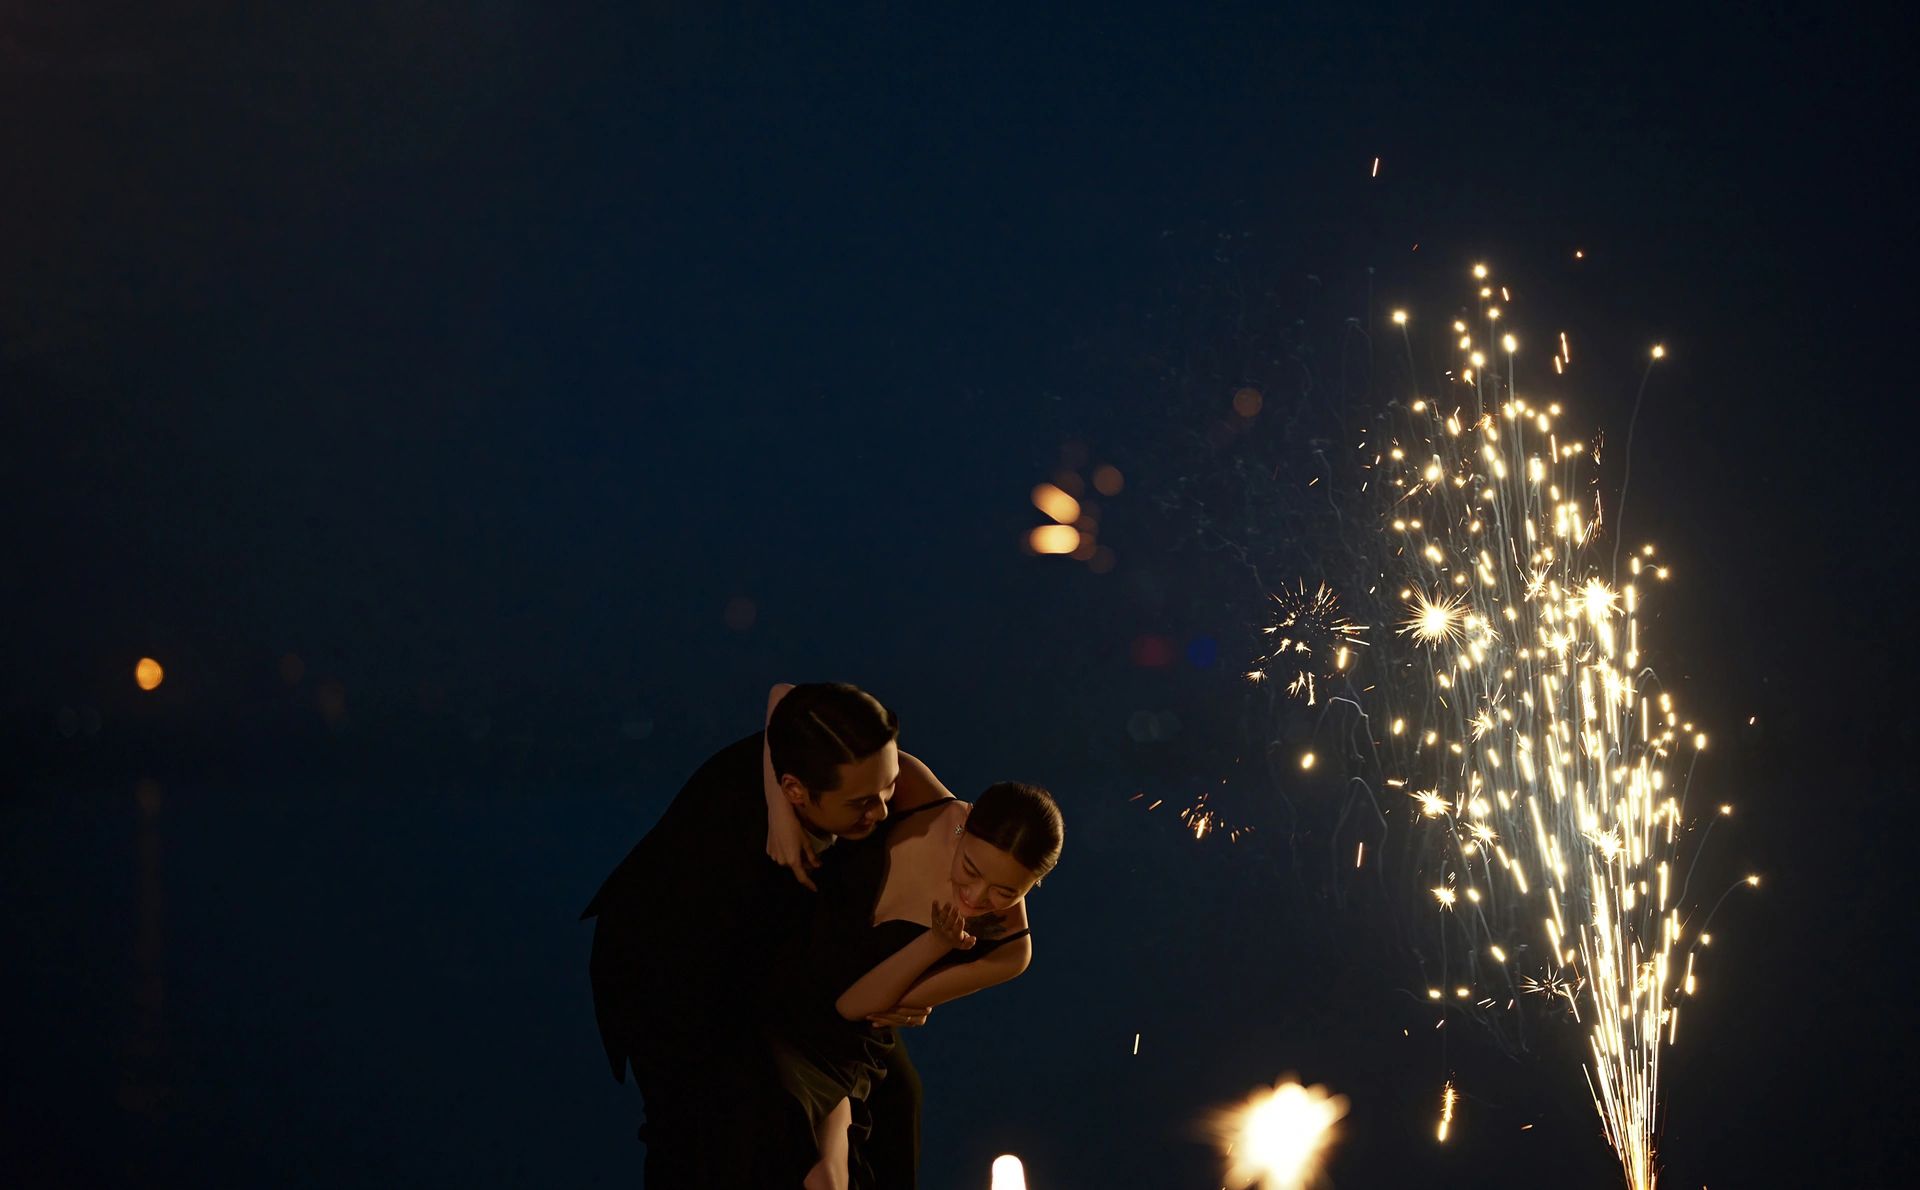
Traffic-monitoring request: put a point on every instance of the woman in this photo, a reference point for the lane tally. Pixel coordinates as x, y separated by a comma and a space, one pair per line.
929, 908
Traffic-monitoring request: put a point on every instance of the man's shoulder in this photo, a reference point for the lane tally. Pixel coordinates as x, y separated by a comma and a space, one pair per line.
712, 830
727, 781
741, 756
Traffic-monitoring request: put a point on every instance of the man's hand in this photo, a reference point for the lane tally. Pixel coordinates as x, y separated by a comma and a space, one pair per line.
901, 1015
787, 846
950, 928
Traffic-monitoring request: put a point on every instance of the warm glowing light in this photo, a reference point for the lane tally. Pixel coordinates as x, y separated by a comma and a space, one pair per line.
1279, 1137
1056, 504
1247, 402
1008, 1173
1107, 480
1448, 1097
1480, 272
1659, 352
1598, 602
1438, 621
1400, 317
148, 674
1054, 539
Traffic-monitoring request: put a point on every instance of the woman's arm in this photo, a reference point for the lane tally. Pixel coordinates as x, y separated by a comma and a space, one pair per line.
786, 842
917, 786
880, 988
964, 979
770, 780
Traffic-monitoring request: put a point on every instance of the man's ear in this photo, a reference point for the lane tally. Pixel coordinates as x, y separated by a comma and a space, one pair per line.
795, 790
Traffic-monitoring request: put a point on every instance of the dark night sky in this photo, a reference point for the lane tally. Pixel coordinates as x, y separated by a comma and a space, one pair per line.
479, 355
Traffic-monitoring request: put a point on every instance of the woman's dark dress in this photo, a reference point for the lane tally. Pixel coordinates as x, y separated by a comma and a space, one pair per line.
823, 1057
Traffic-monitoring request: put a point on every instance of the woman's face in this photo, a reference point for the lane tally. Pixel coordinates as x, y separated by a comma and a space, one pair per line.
987, 879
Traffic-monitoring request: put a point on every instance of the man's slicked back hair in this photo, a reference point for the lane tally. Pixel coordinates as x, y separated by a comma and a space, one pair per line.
820, 726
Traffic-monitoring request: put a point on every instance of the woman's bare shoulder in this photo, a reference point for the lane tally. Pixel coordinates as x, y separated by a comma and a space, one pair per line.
930, 821
1017, 917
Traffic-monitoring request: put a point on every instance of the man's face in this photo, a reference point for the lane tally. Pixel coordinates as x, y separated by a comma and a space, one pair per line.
858, 802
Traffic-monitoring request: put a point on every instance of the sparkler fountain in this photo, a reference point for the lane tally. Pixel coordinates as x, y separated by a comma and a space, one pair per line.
1480, 660
1549, 767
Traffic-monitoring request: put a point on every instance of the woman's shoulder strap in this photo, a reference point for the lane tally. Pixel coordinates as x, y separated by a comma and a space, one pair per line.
937, 804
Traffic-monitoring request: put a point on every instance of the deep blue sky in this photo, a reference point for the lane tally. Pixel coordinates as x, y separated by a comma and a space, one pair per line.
480, 355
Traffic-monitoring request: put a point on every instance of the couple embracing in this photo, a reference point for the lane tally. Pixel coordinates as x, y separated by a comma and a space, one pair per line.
810, 890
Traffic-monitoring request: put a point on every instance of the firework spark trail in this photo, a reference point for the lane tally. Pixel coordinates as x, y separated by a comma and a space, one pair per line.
1538, 745
1310, 638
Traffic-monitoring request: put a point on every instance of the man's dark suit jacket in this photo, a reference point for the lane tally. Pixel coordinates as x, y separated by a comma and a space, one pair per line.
690, 923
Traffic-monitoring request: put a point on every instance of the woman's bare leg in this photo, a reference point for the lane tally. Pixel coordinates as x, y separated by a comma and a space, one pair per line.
830, 1172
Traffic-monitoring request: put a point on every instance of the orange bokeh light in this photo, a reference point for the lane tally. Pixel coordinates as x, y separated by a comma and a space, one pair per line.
1054, 539
148, 673
1056, 504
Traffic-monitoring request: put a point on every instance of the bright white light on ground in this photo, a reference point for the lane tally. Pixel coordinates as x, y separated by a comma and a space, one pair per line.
1008, 1173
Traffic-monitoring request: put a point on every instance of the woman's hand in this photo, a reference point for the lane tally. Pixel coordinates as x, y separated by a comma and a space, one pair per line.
950, 927
901, 1015
787, 843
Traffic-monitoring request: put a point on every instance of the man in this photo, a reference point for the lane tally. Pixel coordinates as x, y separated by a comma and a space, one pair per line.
689, 926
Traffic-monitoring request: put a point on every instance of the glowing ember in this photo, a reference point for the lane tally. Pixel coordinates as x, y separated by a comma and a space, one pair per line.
1436, 621
1277, 1139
